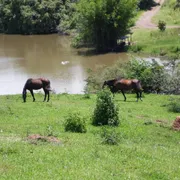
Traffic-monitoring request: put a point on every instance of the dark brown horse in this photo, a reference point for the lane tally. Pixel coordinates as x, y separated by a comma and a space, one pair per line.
123, 85
35, 84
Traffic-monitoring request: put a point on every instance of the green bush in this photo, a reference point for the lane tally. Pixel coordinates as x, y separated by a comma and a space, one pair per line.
75, 123
136, 48
162, 25
105, 112
174, 106
109, 136
152, 75
30, 16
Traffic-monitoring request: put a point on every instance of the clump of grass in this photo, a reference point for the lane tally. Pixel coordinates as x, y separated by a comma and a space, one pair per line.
110, 136
74, 122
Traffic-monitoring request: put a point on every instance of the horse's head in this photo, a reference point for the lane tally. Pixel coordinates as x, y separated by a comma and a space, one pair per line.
110, 84
24, 95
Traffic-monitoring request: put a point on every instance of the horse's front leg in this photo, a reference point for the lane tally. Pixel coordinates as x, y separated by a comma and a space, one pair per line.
123, 95
24, 95
32, 95
45, 94
48, 96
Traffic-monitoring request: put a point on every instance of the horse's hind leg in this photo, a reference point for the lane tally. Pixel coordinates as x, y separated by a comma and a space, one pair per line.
123, 95
140, 95
32, 95
46, 93
137, 96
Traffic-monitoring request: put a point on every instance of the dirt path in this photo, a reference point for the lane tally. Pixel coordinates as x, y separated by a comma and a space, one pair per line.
145, 20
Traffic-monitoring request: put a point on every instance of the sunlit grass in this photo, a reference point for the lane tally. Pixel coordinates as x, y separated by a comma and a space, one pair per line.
156, 42
147, 149
168, 14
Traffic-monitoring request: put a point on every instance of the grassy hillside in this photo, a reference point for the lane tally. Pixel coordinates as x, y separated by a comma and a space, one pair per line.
155, 42
168, 13
148, 147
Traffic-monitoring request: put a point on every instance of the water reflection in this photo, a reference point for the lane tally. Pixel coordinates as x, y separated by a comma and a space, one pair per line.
49, 56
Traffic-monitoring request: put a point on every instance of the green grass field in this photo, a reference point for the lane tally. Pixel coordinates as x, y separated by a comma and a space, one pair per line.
168, 14
154, 42
148, 149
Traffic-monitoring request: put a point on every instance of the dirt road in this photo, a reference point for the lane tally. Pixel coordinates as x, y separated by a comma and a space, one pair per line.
145, 20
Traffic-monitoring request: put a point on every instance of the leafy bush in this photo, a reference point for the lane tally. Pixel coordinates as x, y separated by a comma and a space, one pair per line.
174, 106
101, 23
106, 112
109, 136
162, 25
136, 48
152, 75
29, 16
146, 4
75, 123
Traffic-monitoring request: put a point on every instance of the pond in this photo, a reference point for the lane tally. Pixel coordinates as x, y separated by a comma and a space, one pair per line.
49, 56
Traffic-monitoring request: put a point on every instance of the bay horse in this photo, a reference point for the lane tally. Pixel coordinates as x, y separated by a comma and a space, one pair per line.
123, 85
35, 84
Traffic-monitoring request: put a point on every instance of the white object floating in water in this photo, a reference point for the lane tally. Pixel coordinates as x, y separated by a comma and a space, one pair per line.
64, 62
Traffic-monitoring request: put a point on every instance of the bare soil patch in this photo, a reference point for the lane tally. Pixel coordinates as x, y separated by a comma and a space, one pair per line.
176, 124
34, 138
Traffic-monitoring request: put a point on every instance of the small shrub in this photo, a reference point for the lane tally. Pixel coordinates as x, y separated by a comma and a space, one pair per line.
109, 136
162, 25
106, 112
136, 48
75, 123
174, 106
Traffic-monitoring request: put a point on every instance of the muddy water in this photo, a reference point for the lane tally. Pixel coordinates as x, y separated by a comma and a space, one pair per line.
49, 56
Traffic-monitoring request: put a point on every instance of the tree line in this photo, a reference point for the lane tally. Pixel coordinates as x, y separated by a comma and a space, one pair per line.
96, 23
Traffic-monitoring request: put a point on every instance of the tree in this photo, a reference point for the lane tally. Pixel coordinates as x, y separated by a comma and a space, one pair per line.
146, 4
177, 4
30, 16
100, 23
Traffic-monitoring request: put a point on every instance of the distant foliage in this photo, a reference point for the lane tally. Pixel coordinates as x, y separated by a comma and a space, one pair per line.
162, 25
153, 76
100, 23
75, 123
67, 23
105, 112
146, 4
29, 16
177, 4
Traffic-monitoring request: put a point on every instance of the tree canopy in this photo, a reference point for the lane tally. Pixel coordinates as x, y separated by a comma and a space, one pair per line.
101, 22
29, 16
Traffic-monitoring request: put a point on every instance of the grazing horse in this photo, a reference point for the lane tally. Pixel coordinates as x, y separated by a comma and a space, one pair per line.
122, 85
35, 84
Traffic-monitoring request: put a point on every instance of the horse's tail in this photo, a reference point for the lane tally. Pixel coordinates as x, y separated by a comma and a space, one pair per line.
48, 87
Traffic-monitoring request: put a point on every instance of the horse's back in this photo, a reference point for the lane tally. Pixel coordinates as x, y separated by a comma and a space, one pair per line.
127, 84
123, 84
37, 83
